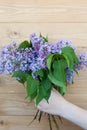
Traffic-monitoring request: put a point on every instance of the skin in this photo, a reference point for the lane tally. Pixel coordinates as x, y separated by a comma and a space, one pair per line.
59, 106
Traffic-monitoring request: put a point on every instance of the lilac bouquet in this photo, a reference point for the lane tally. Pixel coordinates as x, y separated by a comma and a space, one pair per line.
42, 66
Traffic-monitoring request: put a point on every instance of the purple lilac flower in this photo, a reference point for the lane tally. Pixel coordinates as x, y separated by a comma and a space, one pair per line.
36, 41
83, 59
7, 56
70, 75
9, 67
34, 67
8, 52
64, 42
4, 53
1, 67
12, 45
45, 50
78, 66
26, 55
24, 66
34, 75
34, 54
18, 56
41, 62
55, 48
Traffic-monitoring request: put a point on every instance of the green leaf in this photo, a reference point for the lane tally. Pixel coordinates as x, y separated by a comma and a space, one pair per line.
40, 73
33, 96
59, 70
21, 75
24, 44
70, 57
58, 74
31, 87
57, 83
41, 93
44, 90
45, 38
48, 94
70, 61
49, 61
21, 81
46, 84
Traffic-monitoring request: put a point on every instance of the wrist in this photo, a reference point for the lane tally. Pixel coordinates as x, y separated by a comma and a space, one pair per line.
73, 113
66, 109
62, 108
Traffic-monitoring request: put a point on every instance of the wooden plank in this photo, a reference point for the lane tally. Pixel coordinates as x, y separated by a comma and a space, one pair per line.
10, 85
16, 104
59, 19
21, 123
37, 3
44, 14
76, 32
43, 11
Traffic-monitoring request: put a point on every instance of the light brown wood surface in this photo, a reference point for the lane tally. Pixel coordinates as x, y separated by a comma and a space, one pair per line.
57, 18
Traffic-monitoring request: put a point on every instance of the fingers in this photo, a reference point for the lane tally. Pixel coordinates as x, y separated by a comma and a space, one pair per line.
43, 105
55, 92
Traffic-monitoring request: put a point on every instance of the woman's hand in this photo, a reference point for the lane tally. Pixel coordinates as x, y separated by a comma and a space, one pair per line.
55, 104
59, 106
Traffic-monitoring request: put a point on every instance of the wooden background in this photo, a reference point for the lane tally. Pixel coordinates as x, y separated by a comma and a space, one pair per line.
57, 18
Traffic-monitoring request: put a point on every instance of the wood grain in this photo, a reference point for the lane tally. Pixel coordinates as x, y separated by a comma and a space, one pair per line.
43, 14
22, 123
43, 11
58, 19
15, 104
48, 3
76, 32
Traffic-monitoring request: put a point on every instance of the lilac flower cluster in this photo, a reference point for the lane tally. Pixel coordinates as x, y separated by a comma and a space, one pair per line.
83, 59
57, 47
1, 67
6, 58
70, 75
34, 58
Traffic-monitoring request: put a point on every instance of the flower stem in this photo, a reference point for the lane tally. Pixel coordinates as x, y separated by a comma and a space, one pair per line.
60, 119
49, 121
40, 116
54, 120
35, 117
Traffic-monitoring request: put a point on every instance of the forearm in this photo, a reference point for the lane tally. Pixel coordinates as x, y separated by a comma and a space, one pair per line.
59, 106
74, 114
